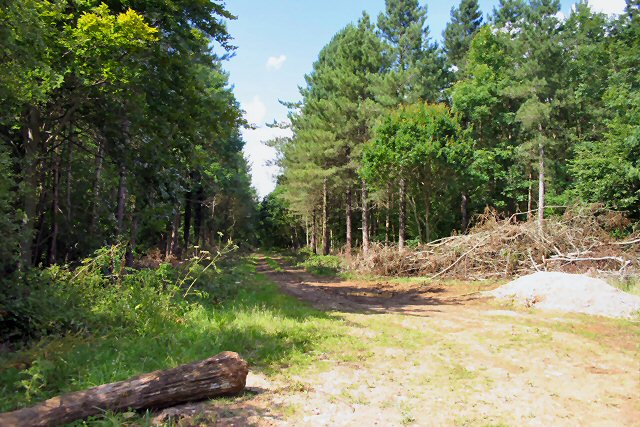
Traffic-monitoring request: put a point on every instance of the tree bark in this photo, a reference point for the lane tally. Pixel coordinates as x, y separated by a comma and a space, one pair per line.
221, 375
530, 200
96, 189
427, 216
198, 217
464, 201
167, 243
122, 200
174, 232
187, 218
541, 187
403, 214
349, 238
306, 229
133, 234
387, 219
325, 228
68, 178
365, 218
32, 141
414, 206
55, 207
122, 186
314, 232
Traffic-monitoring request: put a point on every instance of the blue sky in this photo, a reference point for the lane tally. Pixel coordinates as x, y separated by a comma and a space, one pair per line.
278, 41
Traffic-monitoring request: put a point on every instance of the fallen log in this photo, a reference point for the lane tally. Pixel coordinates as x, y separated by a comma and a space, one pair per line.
221, 375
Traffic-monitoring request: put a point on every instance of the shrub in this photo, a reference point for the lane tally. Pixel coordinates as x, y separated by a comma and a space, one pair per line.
101, 296
323, 264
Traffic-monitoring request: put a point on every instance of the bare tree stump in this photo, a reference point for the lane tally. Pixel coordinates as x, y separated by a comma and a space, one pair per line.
221, 375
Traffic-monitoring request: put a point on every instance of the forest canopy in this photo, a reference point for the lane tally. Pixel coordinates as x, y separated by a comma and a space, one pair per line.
117, 124
524, 111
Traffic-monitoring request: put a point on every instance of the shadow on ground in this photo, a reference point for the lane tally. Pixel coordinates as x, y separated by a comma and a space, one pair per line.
333, 293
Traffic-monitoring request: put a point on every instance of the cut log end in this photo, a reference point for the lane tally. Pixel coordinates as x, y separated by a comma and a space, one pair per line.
221, 375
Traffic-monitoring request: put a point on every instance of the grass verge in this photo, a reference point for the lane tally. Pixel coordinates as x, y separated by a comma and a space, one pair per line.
270, 330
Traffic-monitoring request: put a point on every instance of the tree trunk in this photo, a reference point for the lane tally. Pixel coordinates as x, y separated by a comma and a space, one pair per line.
348, 244
325, 228
387, 219
464, 201
365, 219
187, 219
198, 216
413, 204
122, 186
306, 229
55, 207
68, 178
96, 189
122, 200
427, 216
221, 375
541, 187
174, 232
314, 232
132, 237
403, 214
167, 246
530, 200
32, 141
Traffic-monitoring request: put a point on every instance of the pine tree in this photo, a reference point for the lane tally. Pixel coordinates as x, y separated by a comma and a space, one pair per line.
416, 65
465, 22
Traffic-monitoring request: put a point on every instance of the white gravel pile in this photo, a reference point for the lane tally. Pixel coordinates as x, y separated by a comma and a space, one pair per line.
570, 293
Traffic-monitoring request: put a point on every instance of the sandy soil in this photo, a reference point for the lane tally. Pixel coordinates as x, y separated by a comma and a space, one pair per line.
442, 355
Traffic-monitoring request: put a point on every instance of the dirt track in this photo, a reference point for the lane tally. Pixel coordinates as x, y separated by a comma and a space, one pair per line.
438, 355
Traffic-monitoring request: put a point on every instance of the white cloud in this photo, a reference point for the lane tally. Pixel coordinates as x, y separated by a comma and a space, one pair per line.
262, 175
275, 62
258, 154
609, 7
255, 111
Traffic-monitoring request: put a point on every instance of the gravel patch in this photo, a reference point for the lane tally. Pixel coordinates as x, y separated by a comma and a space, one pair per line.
576, 293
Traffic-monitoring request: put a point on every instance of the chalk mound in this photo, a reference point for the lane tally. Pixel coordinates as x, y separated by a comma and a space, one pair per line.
570, 293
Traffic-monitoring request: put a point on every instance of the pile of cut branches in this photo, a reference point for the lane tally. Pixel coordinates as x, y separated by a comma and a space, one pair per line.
579, 240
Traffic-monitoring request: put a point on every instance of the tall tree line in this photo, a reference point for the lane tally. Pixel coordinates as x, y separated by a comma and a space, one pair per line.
517, 111
117, 124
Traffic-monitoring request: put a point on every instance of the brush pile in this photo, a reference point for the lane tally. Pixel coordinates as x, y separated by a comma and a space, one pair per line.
578, 241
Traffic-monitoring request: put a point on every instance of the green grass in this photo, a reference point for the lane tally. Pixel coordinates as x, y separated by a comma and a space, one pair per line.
270, 330
273, 264
322, 265
630, 284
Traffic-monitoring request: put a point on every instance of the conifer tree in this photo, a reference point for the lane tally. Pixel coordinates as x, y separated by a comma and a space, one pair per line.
465, 22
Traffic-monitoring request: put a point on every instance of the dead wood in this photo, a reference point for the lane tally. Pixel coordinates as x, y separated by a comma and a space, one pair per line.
220, 375
578, 241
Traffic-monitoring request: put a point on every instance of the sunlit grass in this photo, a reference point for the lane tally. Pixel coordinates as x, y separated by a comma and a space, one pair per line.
270, 330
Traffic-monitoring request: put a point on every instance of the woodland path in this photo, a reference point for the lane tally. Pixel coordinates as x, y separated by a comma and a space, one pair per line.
436, 354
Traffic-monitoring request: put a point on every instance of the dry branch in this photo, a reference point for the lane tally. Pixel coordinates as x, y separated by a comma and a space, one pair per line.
578, 241
220, 375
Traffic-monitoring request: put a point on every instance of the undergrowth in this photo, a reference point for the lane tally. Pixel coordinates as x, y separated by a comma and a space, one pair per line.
98, 326
322, 265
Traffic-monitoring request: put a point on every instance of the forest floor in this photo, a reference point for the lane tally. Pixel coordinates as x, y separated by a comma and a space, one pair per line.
417, 352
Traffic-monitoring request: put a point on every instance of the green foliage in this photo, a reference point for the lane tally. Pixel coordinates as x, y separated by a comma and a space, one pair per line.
606, 166
270, 330
413, 138
277, 225
123, 98
323, 265
9, 246
466, 20
416, 68
100, 296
